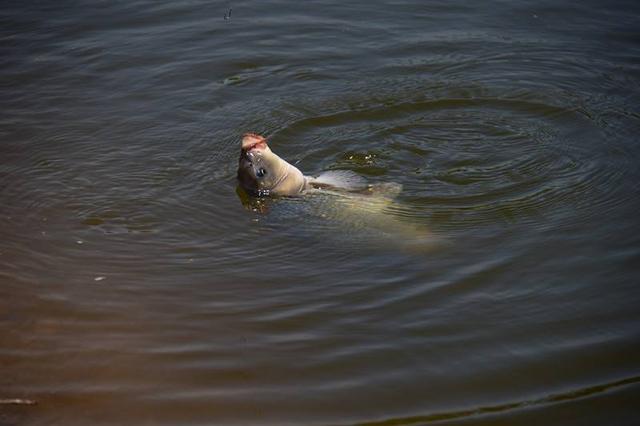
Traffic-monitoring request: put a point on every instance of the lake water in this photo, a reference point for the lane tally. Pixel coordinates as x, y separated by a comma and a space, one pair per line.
139, 286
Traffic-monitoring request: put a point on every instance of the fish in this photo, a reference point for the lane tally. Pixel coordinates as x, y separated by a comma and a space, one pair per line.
261, 172
338, 196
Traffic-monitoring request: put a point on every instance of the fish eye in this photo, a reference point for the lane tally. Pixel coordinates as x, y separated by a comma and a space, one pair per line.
261, 172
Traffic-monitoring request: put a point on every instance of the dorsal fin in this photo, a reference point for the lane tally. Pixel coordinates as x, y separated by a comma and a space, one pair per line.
388, 190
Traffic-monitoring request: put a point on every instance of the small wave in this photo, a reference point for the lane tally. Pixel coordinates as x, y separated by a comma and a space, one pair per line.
506, 407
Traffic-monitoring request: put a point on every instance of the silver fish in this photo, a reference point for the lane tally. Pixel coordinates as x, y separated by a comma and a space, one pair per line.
339, 196
262, 172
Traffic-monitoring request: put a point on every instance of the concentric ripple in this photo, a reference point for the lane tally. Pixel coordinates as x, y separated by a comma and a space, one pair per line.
467, 160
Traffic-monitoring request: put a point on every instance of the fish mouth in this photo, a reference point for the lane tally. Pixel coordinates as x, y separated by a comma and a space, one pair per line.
248, 157
252, 141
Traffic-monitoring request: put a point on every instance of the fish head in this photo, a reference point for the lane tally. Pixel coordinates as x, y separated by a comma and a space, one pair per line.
259, 169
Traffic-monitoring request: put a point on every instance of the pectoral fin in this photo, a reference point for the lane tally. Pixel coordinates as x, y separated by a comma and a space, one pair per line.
343, 179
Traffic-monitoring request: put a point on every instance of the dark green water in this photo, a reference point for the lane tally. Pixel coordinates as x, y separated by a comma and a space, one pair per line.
136, 288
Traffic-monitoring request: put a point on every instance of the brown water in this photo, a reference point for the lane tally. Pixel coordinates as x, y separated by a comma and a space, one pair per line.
137, 288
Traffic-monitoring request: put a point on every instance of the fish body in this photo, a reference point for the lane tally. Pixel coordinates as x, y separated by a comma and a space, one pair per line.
341, 195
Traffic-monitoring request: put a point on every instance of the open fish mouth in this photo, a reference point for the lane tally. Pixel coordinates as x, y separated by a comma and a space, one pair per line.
251, 141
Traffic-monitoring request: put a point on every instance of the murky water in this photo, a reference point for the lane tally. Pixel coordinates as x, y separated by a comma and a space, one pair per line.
137, 288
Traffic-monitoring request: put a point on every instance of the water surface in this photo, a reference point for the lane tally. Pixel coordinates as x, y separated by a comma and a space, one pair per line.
137, 288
